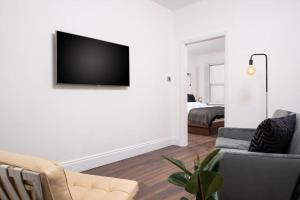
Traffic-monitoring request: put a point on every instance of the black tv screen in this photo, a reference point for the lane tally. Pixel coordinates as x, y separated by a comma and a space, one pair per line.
82, 60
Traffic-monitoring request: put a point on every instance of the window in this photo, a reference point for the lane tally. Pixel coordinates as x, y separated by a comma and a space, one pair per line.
216, 84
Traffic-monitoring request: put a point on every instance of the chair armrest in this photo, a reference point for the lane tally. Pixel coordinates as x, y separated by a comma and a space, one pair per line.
259, 176
237, 133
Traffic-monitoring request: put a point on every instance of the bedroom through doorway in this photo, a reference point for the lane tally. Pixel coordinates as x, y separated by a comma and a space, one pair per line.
205, 86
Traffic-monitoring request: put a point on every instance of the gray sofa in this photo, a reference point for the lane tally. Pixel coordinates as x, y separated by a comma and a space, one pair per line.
257, 176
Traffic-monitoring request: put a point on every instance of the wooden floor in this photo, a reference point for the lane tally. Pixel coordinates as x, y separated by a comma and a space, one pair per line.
152, 172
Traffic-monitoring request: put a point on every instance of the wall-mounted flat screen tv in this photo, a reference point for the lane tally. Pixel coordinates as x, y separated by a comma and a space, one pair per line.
82, 60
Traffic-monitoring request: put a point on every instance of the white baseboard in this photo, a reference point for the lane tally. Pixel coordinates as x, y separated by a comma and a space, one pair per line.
93, 161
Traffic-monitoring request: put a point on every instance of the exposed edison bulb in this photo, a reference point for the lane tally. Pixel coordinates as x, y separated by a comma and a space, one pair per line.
251, 70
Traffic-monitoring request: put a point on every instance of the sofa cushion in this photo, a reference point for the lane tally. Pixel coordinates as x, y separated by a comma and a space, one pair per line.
274, 135
281, 113
53, 176
229, 143
295, 143
89, 187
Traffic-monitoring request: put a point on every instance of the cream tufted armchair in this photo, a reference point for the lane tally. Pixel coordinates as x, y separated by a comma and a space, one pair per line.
58, 184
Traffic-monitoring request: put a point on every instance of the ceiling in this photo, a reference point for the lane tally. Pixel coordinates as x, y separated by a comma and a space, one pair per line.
208, 46
175, 4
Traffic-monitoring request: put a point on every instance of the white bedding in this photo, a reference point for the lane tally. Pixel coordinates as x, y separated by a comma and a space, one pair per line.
192, 105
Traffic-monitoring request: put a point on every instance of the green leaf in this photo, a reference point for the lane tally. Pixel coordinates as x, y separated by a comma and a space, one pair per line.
184, 198
211, 198
208, 158
193, 184
179, 178
213, 164
178, 163
211, 182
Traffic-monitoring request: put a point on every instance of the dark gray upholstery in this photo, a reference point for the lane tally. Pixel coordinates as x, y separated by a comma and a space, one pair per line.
260, 176
234, 138
229, 143
237, 133
281, 113
295, 144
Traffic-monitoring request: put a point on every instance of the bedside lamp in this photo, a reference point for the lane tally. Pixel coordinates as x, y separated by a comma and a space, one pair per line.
251, 71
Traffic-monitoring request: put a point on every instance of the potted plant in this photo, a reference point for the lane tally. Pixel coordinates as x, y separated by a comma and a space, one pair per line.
204, 182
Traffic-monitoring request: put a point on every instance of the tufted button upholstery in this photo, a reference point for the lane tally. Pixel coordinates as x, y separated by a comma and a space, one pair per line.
89, 187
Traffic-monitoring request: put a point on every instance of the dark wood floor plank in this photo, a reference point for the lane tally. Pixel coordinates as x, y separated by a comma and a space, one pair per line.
151, 171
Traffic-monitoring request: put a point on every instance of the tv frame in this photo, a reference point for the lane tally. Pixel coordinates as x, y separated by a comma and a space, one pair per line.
88, 84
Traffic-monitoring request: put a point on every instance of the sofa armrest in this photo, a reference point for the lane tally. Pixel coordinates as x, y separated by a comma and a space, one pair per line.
259, 176
237, 133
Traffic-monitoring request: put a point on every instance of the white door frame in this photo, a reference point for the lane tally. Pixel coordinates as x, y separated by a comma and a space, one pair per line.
183, 133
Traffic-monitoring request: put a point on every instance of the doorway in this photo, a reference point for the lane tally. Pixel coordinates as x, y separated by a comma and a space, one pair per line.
203, 86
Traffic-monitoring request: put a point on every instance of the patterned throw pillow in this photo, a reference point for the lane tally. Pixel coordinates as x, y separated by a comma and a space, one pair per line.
274, 135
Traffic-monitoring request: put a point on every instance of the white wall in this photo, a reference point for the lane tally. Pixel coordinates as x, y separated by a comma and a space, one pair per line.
198, 65
192, 79
251, 26
72, 122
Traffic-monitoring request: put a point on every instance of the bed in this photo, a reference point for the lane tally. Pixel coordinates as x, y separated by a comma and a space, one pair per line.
204, 119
